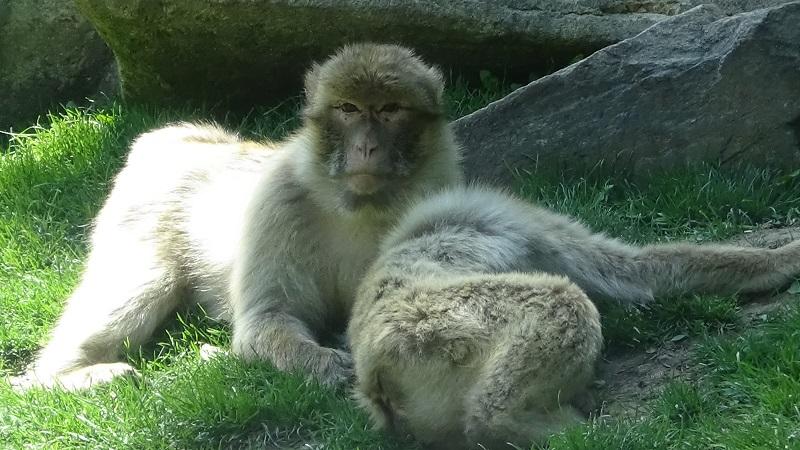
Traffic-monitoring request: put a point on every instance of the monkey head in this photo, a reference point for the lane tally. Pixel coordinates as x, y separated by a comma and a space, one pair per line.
376, 114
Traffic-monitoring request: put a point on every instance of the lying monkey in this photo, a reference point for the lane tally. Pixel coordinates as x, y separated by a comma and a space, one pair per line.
258, 232
473, 327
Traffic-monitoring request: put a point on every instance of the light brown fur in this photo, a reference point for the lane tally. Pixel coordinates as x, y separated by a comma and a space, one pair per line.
476, 359
273, 237
472, 328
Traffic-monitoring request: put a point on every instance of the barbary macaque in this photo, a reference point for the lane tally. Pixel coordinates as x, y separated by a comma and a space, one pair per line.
273, 237
474, 326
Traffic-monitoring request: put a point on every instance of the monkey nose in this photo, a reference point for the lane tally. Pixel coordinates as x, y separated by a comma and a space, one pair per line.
363, 183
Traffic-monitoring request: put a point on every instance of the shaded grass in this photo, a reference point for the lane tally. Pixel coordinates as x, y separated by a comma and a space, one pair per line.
698, 204
747, 399
670, 319
462, 98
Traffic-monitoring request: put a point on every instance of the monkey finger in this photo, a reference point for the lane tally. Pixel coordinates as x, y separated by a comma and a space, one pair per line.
335, 368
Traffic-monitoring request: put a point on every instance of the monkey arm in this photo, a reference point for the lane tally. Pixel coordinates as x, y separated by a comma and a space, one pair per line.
604, 268
286, 341
279, 309
278, 322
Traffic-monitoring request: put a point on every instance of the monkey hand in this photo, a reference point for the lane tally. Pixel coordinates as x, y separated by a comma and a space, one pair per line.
334, 368
284, 341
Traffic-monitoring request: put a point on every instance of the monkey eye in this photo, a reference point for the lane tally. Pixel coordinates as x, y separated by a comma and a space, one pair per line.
390, 108
348, 108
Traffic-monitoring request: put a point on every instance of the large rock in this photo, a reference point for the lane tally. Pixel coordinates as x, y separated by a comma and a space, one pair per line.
696, 87
49, 54
249, 51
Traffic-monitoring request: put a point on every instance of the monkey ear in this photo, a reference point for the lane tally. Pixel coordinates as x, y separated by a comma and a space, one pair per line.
431, 84
438, 90
311, 82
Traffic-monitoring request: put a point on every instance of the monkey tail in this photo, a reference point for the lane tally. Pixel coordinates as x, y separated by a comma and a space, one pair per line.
677, 269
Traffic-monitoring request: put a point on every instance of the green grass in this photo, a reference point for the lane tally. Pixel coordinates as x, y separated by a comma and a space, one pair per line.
748, 396
52, 182
183, 402
53, 179
702, 205
463, 98
747, 399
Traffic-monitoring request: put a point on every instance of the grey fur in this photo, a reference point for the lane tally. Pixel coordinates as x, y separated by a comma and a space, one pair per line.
473, 326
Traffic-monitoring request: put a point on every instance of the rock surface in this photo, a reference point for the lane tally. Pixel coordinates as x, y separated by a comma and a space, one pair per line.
250, 51
696, 87
49, 54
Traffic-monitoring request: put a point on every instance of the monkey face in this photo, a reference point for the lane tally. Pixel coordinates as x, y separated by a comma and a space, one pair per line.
373, 108
372, 149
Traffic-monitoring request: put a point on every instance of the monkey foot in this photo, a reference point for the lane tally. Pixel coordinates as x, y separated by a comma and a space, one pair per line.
77, 379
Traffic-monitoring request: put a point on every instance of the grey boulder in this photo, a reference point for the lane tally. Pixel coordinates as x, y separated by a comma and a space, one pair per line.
698, 87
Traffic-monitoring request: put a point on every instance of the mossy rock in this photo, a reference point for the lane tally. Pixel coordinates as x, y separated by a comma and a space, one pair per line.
49, 54
250, 52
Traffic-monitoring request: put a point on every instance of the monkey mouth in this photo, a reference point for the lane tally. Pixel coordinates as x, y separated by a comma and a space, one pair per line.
374, 194
364, 183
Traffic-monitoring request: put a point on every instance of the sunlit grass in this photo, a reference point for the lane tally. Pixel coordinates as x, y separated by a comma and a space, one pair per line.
53, 179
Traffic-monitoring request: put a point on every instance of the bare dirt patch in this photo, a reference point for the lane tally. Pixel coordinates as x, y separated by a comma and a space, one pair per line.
628, 380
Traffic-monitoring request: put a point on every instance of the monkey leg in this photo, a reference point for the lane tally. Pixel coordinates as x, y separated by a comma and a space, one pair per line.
287, 342
122, 298
544, 359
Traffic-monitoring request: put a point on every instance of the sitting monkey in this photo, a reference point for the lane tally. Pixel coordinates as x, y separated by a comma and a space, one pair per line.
272, 237
472, 327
